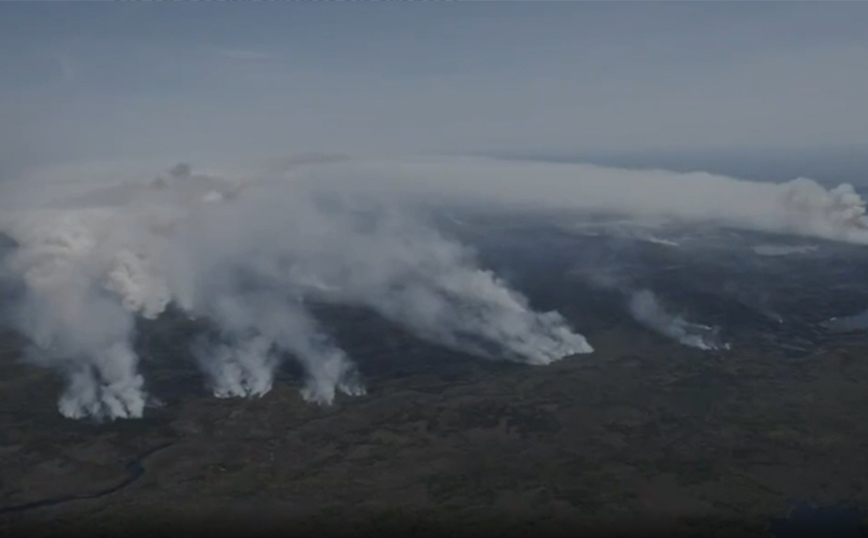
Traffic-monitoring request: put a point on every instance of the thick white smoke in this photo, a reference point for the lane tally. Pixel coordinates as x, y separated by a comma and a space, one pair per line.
247, 260
800, 207
74, 325
248, 254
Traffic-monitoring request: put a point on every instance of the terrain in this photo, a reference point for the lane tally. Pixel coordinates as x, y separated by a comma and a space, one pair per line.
642, 436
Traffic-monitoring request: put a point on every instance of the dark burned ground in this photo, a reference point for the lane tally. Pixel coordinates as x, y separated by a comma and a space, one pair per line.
643, 437
642, 433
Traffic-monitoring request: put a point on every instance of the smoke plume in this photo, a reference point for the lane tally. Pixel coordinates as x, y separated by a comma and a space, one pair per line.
799, 207
249, 252
644, 306
646, 309
247, 258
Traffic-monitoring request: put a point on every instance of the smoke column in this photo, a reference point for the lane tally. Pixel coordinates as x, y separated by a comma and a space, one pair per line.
246, 257
247, 252
645, 309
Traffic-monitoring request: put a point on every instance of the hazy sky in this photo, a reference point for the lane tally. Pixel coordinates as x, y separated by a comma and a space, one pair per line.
180, 80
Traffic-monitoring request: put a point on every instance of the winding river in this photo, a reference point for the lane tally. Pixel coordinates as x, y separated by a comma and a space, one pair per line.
135, 469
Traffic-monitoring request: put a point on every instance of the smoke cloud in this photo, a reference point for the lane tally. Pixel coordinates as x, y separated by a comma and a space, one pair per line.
799, 207
246, 257
646, 309
249, 252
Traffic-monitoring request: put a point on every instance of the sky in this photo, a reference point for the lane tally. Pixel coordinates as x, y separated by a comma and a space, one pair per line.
233, 80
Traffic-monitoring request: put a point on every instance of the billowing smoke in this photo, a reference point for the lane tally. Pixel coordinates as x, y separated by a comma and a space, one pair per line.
74, 325
648, 311
800, 207
249, 254
248, 259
